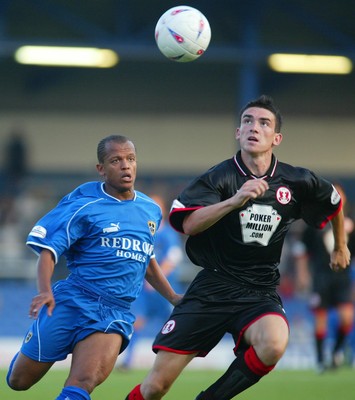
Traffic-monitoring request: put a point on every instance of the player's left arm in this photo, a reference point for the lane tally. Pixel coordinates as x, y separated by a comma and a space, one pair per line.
158, 280
340, 257
45, 268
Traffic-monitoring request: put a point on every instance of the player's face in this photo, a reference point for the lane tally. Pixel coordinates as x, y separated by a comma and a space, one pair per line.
256, 133
119, 169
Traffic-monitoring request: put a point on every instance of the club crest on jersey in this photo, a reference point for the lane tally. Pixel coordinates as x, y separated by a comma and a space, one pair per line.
283, 195
168, 327
152, 227
258, 223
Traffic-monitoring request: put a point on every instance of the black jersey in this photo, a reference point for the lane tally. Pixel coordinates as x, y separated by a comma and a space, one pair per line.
246, 244
318, 245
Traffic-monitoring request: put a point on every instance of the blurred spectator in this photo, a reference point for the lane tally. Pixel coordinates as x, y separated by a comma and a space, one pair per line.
15, 168
288, 288
329, 290
16, 156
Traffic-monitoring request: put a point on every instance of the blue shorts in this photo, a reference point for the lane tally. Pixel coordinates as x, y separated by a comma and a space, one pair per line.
79, 312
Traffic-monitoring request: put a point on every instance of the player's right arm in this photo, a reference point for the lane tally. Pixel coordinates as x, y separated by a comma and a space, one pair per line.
160, 283
45, 268
340, 256
202, 218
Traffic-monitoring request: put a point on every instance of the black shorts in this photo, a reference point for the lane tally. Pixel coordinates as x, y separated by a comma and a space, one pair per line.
211, 308
332, 289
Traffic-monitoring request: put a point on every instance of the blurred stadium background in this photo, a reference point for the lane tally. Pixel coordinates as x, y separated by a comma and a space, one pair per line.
182, 117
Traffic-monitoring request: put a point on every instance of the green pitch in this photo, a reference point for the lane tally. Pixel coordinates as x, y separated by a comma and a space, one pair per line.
278, 385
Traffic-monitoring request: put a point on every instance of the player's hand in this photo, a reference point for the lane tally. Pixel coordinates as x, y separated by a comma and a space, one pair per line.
340, 259
251, 189
45, 298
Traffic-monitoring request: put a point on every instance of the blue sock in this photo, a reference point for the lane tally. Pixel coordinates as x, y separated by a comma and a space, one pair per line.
73, 393
10, 368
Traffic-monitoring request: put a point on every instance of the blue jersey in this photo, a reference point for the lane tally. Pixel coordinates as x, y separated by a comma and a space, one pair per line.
108, 243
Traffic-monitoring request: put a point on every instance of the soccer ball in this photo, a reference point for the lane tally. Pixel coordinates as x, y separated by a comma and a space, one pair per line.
182, 34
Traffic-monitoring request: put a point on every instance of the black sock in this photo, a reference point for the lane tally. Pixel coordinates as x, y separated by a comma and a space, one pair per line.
339, 342
235, 380
319, 350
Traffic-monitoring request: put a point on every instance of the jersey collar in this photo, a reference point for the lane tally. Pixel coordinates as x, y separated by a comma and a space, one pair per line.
114, 198
244, 171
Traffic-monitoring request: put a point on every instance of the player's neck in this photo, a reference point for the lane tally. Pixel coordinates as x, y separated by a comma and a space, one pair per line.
120, 194
258, 164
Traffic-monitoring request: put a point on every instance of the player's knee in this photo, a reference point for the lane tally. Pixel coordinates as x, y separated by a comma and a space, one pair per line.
17, 382
154, 388
87, 383
270, 344
277, 350
270, 347
272, 350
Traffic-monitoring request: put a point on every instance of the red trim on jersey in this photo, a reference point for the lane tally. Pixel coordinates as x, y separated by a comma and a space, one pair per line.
185, 209
330, 217
170, 350
251, 323
175, 213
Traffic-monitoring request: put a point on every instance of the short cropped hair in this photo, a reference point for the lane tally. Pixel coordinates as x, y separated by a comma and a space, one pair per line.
266, 102
101, 147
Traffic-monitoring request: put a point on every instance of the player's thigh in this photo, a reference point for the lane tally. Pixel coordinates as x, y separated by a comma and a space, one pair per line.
268, 328
346, 313
93, 359
269, 336
320, 319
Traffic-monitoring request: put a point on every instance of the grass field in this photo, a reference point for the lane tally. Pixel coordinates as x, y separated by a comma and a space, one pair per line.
279, 385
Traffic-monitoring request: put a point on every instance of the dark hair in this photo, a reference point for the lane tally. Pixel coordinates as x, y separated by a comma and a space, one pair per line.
266, 102
101, 147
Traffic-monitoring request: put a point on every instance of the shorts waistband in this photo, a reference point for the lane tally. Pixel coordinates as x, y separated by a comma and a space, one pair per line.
234, 281
98, 293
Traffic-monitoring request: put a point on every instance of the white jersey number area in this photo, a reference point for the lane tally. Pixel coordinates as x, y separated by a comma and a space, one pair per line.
258, 223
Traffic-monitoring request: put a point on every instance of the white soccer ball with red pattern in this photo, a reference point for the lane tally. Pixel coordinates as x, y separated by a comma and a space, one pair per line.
183, 34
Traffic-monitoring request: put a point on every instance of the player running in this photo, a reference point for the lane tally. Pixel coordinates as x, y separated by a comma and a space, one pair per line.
106, 232
237, 215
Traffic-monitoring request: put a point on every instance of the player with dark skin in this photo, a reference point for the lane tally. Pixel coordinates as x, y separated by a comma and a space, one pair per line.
265, 336
94, 357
